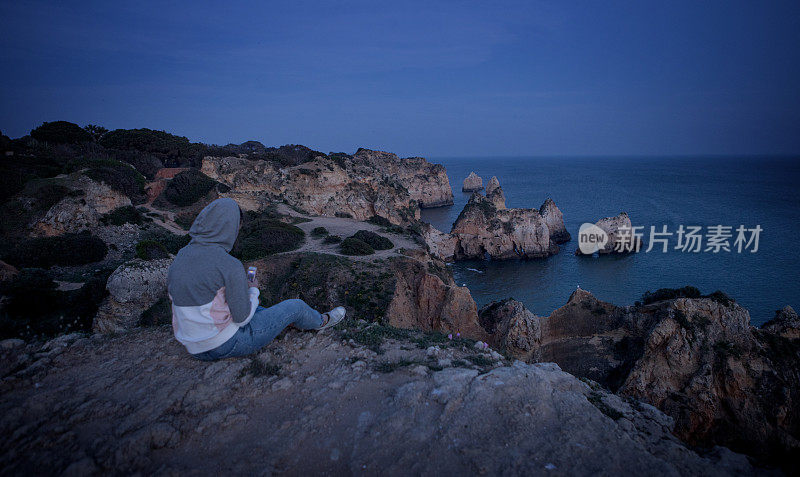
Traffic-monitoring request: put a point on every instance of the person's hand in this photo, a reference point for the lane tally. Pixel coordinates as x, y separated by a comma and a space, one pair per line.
253, 282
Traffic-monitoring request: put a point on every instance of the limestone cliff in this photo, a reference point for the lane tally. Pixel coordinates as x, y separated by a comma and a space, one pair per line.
366, 184
697, 359
427, 183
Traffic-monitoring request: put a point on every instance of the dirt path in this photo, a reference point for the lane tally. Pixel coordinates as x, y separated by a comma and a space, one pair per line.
344, 228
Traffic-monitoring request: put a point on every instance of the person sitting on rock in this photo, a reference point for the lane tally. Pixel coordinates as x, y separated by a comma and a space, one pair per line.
215, 311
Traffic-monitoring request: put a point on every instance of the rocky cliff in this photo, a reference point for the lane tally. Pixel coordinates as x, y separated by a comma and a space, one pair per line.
427, 183
364, 185
697, 359
322, 404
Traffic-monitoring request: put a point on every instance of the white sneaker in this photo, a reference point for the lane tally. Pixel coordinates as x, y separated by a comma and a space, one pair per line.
334, 316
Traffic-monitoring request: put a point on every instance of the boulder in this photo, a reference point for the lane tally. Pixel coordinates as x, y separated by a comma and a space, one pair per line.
472, 183
133, 287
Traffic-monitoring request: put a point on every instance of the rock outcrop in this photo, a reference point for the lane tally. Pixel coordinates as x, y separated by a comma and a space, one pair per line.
427, 183
555, 222
79, 210
440, 245
621, 237
367, 184
786, 324
133, 287
136, 403
432, 302
472, 183
495, 195
698, 360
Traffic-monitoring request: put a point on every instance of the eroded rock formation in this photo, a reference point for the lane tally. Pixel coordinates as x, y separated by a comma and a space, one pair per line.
366, 184
698, 360
472, 183
621, 237
555, 221
81, 209
432, 301
486, 228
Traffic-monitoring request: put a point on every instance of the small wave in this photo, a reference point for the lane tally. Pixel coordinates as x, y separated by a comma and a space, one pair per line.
474, 270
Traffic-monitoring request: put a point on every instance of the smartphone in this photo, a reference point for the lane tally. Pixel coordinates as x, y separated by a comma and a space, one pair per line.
251, 273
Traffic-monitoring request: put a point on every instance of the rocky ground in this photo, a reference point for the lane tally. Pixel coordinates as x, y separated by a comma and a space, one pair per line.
360, 401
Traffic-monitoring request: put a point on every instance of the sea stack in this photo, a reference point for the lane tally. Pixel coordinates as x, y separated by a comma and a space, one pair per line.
472, 183
619, 231
487, 229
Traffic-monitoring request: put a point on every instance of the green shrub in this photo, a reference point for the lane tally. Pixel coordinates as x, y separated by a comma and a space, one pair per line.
148, 140
261, 237
258, 368
188, 187
146, 163
721, 297
16, 172
126, 214
319, 232
34, 307
67, 250
332, 239
160, 313
117, 175
185, 219
344, 215
354, 246
380, 221
171, 242
290, 154
61, 132
376, 241
46, 194
151, 250
669, 294
95, 131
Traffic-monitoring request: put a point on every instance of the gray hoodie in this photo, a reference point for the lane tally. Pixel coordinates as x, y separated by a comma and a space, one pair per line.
208, 287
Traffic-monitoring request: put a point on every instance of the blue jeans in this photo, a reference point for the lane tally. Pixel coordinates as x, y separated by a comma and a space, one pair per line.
265, 325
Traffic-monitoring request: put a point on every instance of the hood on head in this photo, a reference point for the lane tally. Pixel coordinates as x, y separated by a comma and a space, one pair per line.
217, 224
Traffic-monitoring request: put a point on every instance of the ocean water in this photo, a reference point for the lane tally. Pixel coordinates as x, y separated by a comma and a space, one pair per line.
654, 191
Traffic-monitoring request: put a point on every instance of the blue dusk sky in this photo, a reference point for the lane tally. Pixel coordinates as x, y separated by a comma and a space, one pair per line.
416, 78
